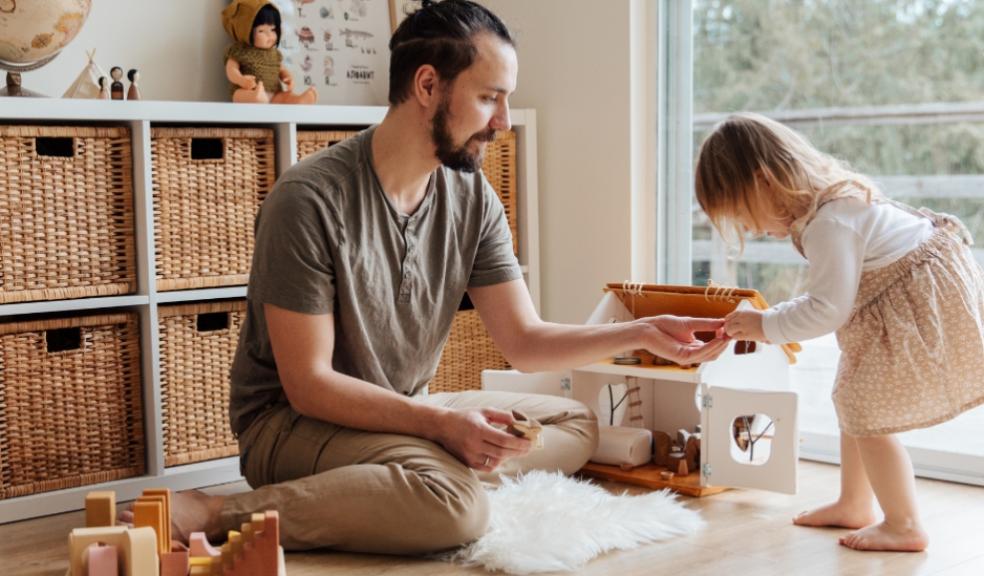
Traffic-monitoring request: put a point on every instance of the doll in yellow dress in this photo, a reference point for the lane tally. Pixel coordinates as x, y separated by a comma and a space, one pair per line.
253, 63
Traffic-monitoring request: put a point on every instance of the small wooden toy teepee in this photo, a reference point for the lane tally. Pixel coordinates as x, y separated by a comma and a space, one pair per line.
86, 84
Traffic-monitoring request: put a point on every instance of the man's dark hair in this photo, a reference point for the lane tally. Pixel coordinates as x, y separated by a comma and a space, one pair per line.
440, 34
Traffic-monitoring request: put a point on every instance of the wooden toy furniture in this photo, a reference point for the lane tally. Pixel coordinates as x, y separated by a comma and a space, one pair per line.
737, 397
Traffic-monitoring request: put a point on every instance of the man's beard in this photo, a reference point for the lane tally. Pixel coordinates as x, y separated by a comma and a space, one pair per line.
456, 158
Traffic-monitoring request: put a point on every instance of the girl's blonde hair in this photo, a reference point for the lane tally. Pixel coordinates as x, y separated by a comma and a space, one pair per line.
751, 167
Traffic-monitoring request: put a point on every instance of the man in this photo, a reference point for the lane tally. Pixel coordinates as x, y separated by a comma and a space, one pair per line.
363, 253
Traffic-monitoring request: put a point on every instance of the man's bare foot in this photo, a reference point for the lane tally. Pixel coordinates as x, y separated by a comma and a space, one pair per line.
883, 536
838, 514
191, 511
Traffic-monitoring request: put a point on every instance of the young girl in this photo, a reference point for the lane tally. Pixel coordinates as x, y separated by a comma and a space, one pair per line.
899, 286
254, 65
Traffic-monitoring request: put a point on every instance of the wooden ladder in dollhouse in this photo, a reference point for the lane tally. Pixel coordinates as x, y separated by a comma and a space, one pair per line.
634, 396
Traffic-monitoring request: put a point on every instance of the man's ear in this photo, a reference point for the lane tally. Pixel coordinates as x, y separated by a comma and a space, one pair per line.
425, 85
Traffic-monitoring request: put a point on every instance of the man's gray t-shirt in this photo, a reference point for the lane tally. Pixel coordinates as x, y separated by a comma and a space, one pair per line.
328, 240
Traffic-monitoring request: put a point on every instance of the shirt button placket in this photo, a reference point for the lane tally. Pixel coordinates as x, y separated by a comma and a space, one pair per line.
408, 259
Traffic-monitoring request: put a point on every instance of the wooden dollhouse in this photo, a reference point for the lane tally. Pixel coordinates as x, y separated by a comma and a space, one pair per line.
740, 404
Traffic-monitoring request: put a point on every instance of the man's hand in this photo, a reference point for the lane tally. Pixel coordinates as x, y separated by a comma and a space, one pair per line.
672, 337
745, 325
470, 436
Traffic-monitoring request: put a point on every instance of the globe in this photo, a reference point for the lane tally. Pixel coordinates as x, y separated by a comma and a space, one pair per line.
33, 32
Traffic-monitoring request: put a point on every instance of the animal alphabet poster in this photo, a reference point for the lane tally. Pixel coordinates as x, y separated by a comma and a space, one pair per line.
341, 47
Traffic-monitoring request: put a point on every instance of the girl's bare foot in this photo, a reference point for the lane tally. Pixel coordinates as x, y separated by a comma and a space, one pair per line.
191, 511
838, 514
883, 536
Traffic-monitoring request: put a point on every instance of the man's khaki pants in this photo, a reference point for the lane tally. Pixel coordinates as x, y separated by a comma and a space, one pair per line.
346, 489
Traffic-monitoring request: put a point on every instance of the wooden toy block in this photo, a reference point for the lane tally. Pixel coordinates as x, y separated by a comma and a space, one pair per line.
165, 517
151, 513
526, 427
101, 560
175, 563
236, 542
100, 509
248, 533
261, 557
137, 546
199, 547
165, 524
253, 551
692, 451
661, 448
166, 493
678, 464
228, 559
206, 566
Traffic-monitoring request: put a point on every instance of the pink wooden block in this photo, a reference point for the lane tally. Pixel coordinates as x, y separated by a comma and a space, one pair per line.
102, 560
174, 563
200, 548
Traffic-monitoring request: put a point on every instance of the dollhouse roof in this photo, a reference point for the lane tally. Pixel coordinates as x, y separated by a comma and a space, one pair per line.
700, 302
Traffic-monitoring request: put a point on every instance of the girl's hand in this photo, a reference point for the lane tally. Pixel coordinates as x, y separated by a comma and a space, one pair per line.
745, 325
249, 82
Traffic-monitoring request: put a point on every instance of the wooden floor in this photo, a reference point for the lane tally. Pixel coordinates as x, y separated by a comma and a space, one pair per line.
748, 533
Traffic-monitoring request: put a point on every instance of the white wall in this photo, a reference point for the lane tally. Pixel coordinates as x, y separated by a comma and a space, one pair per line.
576, 63
176, 44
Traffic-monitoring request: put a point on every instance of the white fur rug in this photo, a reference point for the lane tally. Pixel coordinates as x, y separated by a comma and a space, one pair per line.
544, 522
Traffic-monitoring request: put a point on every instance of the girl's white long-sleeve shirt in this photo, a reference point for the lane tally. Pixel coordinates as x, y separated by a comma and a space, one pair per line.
847, 237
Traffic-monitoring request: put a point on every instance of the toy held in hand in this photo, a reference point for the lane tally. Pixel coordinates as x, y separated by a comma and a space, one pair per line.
253, 64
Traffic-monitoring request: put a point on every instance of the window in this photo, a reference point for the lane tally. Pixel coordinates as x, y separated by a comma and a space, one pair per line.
895, 87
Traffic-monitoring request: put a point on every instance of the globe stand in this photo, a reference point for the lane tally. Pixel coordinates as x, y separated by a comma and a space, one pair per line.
14, 88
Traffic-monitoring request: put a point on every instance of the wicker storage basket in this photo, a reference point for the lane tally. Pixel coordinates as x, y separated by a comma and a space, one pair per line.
468, 351
198, 342
499, 165
208, 186
70, 405
311, 141
66, 213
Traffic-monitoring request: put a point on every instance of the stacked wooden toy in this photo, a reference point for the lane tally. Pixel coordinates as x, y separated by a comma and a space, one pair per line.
104, 548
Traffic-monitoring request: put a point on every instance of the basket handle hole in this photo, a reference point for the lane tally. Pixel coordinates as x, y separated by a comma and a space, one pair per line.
63, 339
212, 321
58, 147
207, 149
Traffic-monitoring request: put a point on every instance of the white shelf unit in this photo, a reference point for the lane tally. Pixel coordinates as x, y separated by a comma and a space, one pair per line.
139, 117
